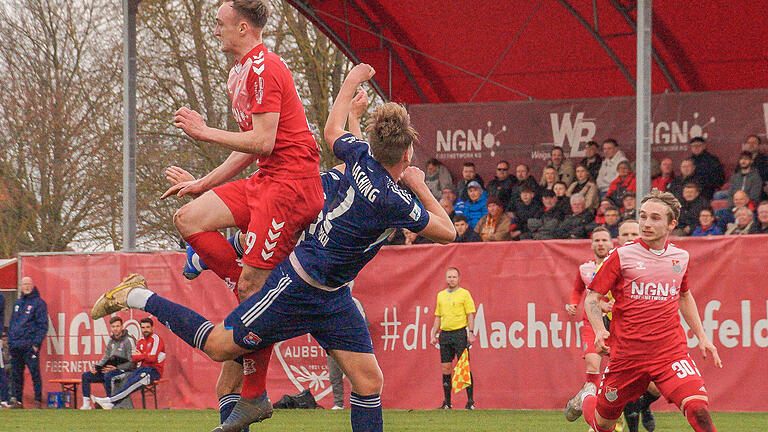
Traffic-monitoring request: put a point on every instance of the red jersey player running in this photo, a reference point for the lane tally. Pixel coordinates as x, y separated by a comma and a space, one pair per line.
272, 206
649, 281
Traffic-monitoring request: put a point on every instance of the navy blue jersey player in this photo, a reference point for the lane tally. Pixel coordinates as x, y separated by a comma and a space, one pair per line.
308, 293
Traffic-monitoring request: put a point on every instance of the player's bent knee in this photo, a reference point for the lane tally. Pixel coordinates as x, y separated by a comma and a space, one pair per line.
183, 221
220, 346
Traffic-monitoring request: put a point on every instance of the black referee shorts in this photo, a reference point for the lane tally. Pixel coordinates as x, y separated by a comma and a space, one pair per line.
452, 344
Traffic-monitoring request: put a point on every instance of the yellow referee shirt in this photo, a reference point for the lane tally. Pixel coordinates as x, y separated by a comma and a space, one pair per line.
453, 307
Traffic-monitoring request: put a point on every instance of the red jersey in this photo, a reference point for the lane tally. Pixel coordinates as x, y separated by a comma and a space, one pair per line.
150, 352
646, 286
583, 279
260, 83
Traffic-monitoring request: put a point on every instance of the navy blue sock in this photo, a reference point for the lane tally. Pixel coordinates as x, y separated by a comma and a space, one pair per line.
185, 323
366, 413
226, 403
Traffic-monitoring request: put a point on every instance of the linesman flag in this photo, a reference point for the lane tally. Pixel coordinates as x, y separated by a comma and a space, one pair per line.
461, 377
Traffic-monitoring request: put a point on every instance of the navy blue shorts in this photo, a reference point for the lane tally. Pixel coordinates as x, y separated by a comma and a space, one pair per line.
287, 307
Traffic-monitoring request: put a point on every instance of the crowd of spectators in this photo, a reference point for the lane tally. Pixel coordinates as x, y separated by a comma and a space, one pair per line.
571, 198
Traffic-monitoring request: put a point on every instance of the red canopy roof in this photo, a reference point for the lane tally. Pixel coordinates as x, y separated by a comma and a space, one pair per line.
441, 52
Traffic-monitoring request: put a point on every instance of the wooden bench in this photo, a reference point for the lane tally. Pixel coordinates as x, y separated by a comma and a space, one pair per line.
68, 384
150, 388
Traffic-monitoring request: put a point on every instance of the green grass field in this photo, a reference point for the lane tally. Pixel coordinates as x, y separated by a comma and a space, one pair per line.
333, 421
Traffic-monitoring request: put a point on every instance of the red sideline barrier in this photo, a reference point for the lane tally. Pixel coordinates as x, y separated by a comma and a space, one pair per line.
527, 354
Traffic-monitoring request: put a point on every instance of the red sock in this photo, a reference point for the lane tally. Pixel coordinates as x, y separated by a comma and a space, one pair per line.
698, 416
255, 367
217, 254
588, 410
594, 378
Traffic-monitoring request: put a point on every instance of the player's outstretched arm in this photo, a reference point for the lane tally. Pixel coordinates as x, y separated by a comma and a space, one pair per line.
691, 315
234, 164
359, 104
440, 228
259, 141
595, 316
337, 118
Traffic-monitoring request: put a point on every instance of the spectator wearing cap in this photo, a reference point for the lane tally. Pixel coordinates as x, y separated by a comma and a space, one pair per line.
468, 175
690, 207
575, 225
474, 206
585, 187
745, 219
761, 224
525, 207
592, 160
628, 209
437, 178
563, 167
608, 168
495, 225
746, 178
502, 184
623, 183
707, 226
666, 175
463, 233
523, 178
709, 171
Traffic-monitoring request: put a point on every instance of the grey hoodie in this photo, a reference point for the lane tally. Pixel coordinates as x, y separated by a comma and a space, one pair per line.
122, 347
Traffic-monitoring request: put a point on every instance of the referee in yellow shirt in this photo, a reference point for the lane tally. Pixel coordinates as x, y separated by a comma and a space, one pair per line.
454, 315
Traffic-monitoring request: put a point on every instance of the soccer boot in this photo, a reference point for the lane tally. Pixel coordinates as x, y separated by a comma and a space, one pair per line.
193, 266
470, 405
445, 406
573, 407
245, 412
632, 416
647, 419
104, 403
115, 299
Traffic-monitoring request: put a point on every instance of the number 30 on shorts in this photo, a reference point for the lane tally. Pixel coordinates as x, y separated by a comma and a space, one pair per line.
683, 368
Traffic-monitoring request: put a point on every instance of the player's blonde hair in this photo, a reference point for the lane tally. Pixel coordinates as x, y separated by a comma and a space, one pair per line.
666, 198
390, 133
255, 11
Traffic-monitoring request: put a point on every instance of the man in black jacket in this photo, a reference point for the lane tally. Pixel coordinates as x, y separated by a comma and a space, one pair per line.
463, 233
709, 171
29, 324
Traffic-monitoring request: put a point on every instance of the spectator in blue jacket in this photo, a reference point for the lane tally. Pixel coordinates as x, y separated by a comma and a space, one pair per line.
475, 207
707, 225
29, 324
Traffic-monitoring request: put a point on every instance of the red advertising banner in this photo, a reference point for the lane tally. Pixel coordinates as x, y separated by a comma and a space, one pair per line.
528, 350
525, 132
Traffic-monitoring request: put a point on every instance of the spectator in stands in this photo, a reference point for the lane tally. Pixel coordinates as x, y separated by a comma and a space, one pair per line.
746, 178
562, 165
760, 160
613, 156
437, 177
548, 178
447, 205
501, 185
468, 175
474, 207
666, 175
26, 332
115, 362
761, 224
744, 221
585, 187
525, 207
709, 171
463, 233
605, 203
495, 225
450, 195
625, 182
690, 207
707, 226
575, 225
592, 160
546, 221
686, 176
612, 220
523, 177
5, 364
150, 360
561, 193
727, 215
628, 210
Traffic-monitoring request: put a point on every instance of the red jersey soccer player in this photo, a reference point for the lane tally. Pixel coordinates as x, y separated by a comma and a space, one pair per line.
648, 279
273, 205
